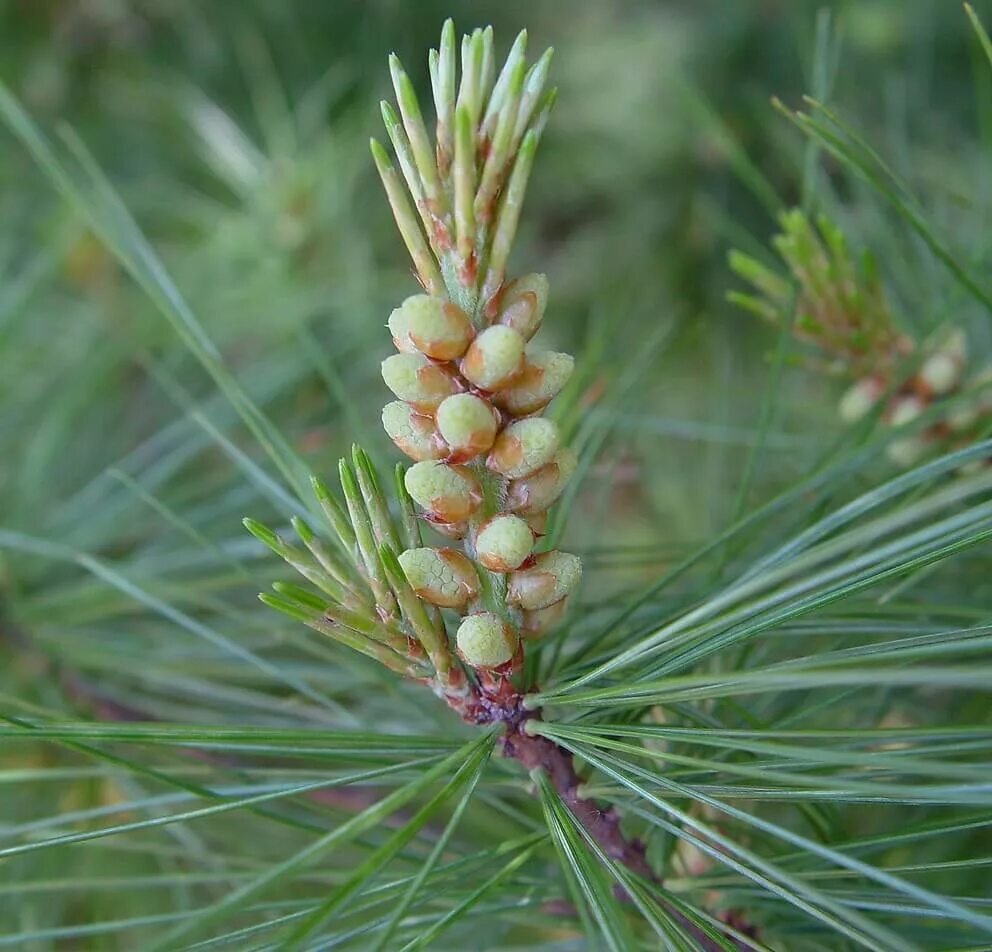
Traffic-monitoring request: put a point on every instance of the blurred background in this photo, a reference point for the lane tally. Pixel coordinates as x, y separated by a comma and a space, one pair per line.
237, 135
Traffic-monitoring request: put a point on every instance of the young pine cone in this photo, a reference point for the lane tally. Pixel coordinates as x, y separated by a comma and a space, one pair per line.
469, 382
482, 463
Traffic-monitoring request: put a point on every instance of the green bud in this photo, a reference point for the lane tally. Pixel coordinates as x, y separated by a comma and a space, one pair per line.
541, 620
448, 493
911, 449
468, 425
941, 372
539, 490
522, 304
955, 345
494, 358
412, 432
541, 380
444, 577
524, 447
969, 412
859, 399
905, 409
431, 326
553, 576
503, 543
485, 640
908, 451
418, 381
939, 375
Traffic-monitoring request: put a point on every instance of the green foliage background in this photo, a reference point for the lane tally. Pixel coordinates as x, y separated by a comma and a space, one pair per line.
236, 134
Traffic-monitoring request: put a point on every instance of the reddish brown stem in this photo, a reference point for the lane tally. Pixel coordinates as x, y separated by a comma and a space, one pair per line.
496, 701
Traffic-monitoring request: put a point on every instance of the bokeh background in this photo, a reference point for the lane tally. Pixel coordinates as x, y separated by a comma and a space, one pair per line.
237, 134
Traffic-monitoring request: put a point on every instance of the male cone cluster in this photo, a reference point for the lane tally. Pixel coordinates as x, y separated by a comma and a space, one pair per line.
486, 466
941, 375
834, 299
470, 386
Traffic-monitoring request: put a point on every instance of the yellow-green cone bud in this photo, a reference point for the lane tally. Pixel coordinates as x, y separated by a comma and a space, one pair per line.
859, 399
494, 358
969, 412
535, 493
541, 380
448, 493
553, 575
418, 381
942, 371
468, 425
444, 577
965, 415
431, 326
908, 450
522, 304
524, 447
412, 432
485, 640
541, 620
939, 374
905, 409
503, 543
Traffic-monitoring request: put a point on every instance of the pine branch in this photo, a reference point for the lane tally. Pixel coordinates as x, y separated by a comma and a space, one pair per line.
470, 389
